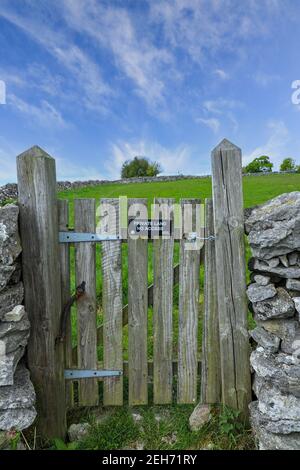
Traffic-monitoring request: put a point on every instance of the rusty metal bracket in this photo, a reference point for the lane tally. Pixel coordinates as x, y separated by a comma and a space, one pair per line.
80, 291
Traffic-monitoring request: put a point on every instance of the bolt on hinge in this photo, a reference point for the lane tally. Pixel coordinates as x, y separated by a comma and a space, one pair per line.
88, 374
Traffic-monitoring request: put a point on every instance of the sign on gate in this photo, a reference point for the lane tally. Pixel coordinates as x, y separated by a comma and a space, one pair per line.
150, 227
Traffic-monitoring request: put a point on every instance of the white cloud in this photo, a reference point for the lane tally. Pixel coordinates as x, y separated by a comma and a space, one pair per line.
12, 77
221, 105
222, 74
139, 59
212, 123
65, 168
8, 154
108, 26
173, 161
35, 76
276, 146
45, 115
83, 71
38, 76
204, 27
214, 109
68, 171
265, 79
130, 36
7, 167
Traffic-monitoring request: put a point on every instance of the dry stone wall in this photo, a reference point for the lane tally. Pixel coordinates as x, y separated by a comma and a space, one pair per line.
274, 294
17, 395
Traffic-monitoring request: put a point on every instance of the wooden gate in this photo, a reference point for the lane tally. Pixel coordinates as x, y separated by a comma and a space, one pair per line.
131, 333
155, 302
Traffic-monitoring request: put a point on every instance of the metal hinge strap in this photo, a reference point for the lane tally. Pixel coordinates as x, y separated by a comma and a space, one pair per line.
88, 374
76, 237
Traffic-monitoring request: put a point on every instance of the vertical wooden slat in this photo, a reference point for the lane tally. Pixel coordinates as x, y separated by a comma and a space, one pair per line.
112, 302
64, 249
85, 268
163, 308
231, 277
188, 307
210, 358
137, 310
125, 308
41, 277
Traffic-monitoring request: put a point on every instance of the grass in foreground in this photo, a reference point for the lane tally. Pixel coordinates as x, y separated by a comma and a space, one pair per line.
160, 428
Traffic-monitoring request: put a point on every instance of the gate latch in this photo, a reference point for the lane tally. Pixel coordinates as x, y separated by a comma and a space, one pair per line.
193, 237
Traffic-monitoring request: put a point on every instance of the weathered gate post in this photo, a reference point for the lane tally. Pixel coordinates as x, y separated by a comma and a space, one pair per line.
210, 363
231, 275
41, 275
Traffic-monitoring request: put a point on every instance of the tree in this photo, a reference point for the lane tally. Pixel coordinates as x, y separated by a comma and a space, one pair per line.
288, 164
259, 165
140, 166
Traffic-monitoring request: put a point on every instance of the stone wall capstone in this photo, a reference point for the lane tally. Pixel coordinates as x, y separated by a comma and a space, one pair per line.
273, 231
17, 396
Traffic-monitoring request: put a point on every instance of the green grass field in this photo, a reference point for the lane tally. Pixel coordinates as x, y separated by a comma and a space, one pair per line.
257, 189
118, 430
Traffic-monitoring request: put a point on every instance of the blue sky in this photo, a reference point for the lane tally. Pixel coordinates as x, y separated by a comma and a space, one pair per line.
97, 82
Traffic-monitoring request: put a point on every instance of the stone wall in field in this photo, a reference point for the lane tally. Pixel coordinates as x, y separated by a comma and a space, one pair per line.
10, 190
274, 294
17, 395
